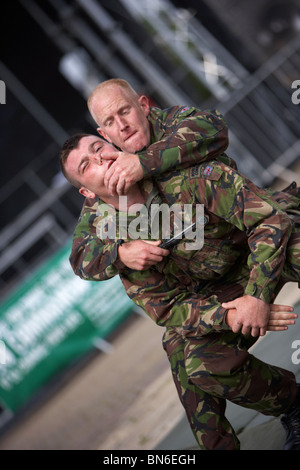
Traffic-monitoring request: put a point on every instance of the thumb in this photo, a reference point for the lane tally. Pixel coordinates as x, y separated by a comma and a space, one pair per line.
231, 304
153, 242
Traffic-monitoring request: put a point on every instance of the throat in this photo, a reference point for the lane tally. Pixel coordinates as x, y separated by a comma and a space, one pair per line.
135, 196
123, 203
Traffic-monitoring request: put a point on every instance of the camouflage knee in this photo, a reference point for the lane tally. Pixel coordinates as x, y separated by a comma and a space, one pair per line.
215, 362
205, 413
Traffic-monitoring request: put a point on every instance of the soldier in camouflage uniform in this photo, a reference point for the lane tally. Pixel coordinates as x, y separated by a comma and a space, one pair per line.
244, 264
169, 295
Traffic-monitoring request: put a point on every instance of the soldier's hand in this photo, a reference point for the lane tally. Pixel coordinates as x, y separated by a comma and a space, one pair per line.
125, 171
252, 315
281, 317
141, 254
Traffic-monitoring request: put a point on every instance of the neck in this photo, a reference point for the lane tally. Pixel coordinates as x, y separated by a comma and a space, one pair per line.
133, 196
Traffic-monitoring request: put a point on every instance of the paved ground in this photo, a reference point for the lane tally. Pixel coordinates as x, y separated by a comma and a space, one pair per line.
127, 400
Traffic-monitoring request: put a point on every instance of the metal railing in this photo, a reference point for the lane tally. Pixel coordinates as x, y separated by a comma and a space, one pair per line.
263, 121
264, 118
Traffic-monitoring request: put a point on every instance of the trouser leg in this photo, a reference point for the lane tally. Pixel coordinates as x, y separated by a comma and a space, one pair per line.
221, 365
205, 413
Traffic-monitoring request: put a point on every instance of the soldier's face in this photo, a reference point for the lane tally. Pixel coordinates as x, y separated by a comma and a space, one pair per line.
84, 164
122, 118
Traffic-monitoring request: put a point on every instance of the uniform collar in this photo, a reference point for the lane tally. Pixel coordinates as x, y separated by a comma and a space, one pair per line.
157, 127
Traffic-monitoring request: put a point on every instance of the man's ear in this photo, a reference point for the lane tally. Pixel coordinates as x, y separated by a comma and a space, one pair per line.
144, 103
87, 193
102, 134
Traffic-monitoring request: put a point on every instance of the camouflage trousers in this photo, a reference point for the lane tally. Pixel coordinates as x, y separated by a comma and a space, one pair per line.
217, 367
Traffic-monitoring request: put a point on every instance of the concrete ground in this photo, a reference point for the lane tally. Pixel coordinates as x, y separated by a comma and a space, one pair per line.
126, 400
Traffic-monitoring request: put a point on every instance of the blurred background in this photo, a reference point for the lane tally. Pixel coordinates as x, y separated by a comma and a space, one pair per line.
239, 56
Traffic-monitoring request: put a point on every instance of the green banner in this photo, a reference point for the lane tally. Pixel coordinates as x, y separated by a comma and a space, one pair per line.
49, 322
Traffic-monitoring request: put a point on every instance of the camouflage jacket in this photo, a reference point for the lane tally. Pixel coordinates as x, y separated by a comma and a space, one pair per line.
180, 136
244, 248
245, 242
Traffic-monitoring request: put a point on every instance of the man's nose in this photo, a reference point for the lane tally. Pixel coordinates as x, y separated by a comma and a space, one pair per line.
122, 123
96, 157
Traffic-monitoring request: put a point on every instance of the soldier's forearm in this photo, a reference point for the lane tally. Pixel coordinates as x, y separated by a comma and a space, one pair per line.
197, 138
92, 260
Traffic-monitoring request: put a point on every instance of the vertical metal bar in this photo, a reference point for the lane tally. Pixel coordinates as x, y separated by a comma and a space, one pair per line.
45, 120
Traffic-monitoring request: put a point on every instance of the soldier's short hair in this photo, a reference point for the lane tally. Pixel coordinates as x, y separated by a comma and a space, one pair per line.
69, 145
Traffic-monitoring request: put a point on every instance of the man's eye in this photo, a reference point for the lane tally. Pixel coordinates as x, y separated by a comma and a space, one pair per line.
84, 166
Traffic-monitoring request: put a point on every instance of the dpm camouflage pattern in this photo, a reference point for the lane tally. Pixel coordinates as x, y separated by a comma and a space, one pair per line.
208, 369
180, 136
218, 366
183, 136
185, 283
246, 246
211, 368
185, 291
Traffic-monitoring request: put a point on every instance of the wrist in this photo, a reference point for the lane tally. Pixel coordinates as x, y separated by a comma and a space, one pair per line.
119, 242
230, 316
119, 262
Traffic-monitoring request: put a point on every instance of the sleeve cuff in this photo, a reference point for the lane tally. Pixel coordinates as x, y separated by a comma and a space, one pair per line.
115, 258
263, 293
